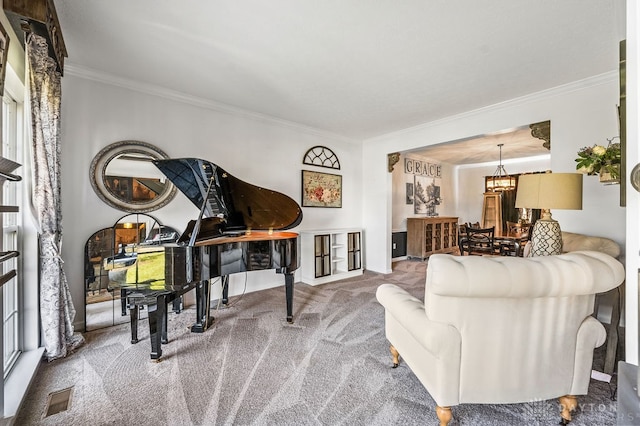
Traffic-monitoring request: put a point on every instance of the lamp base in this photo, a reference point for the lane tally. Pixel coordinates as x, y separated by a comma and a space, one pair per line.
546, 238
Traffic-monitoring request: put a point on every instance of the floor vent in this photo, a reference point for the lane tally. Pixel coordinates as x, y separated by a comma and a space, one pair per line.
58, 402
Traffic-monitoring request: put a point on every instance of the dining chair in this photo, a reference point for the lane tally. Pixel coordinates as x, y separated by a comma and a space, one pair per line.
479, 241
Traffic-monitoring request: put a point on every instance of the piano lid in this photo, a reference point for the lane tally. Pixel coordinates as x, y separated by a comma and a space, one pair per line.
241, 204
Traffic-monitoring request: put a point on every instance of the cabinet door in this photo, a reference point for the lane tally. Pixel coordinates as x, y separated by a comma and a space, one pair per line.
428, 238
446, 235
354, 258
454, 233
437, 236
322, 245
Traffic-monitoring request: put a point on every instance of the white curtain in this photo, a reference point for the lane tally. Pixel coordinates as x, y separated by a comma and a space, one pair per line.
56, 307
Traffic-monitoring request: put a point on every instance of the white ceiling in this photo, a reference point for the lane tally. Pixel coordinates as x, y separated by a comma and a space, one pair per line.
355, 68
517, 143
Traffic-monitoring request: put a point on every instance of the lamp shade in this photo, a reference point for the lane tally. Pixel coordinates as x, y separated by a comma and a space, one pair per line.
550, 191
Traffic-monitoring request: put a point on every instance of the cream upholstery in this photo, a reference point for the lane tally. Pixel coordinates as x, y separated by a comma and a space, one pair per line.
502, 329
575, 242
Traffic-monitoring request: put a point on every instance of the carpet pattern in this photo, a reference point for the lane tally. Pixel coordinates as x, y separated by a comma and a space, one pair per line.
331, 367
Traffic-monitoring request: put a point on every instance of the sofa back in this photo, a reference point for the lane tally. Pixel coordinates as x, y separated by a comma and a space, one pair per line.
578, 242
518, 318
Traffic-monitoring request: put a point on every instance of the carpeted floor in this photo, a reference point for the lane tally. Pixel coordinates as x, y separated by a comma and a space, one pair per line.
331, 367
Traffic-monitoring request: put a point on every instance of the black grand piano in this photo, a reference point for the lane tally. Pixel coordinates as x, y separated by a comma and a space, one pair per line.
240, 228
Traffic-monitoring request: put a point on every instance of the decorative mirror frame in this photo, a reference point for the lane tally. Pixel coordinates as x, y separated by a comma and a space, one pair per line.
97, 173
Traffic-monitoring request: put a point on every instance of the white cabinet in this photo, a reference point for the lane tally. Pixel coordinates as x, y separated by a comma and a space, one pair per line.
331, 254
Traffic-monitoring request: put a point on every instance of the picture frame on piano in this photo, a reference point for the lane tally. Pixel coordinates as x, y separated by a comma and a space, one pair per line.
321, 189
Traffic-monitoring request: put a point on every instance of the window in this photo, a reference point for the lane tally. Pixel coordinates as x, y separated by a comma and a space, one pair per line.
11, 239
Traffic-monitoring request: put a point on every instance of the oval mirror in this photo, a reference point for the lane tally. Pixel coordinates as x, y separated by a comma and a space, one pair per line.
124, 177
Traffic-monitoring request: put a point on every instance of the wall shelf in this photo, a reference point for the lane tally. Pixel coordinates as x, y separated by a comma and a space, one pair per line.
331, 254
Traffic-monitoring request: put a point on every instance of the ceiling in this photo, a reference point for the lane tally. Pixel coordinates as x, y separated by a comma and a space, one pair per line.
354, 68
517, 143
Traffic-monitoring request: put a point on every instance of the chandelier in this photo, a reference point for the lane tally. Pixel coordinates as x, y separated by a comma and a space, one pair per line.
500, 181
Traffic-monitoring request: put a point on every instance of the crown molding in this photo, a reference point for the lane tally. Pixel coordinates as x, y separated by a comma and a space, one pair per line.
150, 89
597, 80
543, 157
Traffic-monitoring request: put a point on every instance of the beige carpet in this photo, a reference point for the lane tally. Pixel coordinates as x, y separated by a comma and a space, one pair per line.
331, 367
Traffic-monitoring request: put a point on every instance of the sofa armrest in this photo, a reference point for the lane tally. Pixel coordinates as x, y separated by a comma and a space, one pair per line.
591, 335
440, 340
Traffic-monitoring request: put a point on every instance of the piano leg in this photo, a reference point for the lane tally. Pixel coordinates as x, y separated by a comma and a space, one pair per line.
123, 301
177, 305
133, 312
224, 280
288, 285
156, 350
158, 314
203, 307
164, 303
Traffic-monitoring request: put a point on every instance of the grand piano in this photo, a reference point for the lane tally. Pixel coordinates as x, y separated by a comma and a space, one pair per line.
240, 228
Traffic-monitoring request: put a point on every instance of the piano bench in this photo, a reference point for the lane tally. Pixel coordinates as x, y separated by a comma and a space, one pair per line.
136, 300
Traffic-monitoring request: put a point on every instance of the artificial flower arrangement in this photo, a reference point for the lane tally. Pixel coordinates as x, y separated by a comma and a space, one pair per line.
597, 159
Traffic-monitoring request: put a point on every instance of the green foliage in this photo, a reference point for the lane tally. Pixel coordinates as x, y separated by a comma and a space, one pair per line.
150, 268
598, 159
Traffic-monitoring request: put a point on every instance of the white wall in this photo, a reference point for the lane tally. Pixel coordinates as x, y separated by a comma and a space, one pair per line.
259, 151
402, 210
582, 113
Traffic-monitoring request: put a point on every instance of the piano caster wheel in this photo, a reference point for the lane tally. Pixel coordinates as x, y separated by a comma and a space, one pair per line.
133, 342
290, 320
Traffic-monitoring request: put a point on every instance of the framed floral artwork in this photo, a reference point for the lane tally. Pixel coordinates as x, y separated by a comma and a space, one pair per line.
321, 189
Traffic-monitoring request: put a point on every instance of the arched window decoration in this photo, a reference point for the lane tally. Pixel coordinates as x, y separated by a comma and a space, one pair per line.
321, 156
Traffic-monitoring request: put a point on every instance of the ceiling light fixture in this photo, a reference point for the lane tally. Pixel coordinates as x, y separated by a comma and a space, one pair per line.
501, 181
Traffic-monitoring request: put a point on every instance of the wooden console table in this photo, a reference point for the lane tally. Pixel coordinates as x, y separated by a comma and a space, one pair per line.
430, 235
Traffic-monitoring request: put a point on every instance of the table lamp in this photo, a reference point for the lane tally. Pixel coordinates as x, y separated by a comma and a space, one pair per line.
548, 191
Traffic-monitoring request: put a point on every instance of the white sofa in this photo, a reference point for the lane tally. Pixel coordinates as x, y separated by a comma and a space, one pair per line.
501, 329
576, 242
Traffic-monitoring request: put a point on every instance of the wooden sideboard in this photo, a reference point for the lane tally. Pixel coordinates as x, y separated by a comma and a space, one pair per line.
430, 235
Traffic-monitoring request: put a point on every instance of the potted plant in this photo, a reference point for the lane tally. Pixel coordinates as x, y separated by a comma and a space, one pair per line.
598, 160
